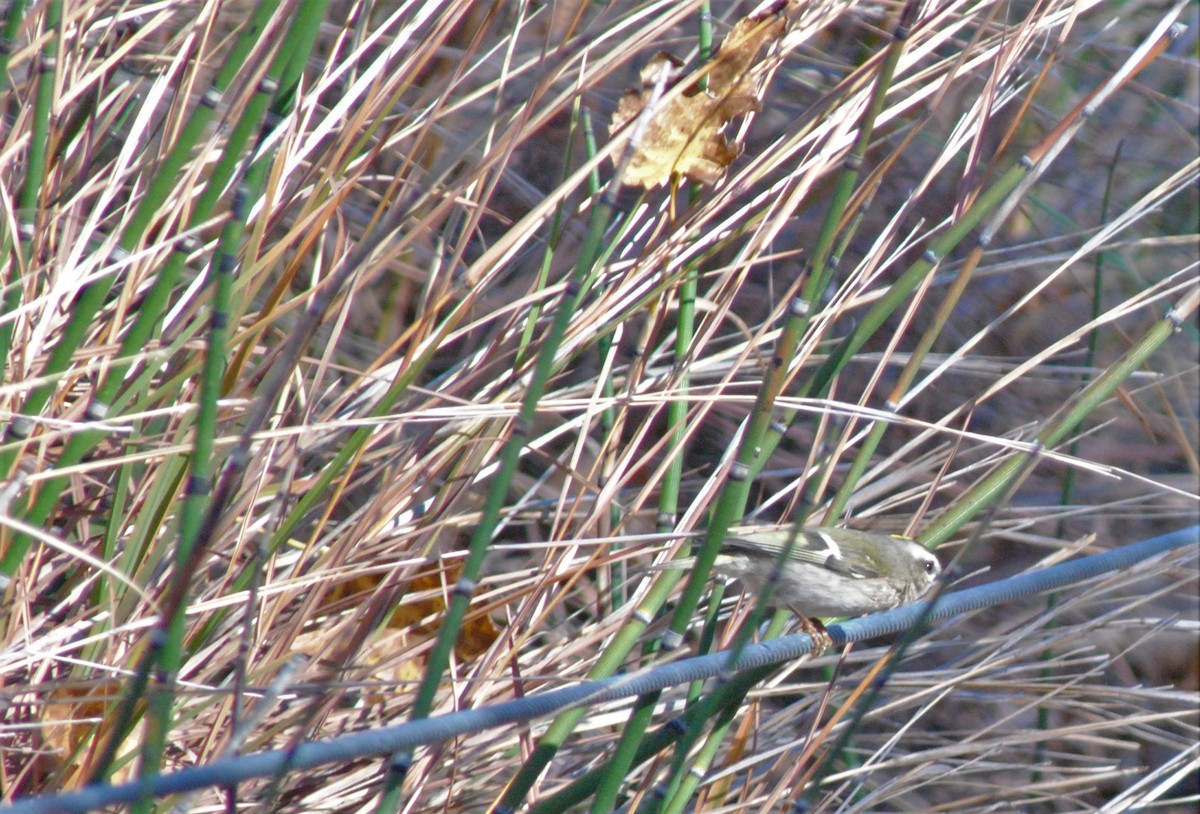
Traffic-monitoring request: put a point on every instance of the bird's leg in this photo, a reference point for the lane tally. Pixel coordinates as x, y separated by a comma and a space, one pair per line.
816, 631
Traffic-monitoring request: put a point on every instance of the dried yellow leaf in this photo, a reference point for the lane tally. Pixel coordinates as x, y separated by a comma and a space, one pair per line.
475, 636
683, 137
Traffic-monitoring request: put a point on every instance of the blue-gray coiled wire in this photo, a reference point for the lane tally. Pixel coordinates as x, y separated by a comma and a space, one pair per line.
411, 734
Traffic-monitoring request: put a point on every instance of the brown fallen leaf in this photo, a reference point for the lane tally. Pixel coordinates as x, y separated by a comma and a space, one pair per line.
683, 137
474, 637
406, 623
74, 728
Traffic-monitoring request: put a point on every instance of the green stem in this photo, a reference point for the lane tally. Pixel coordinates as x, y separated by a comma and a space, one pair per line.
1056, 430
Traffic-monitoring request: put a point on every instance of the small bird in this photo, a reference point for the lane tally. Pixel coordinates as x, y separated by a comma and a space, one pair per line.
828, 571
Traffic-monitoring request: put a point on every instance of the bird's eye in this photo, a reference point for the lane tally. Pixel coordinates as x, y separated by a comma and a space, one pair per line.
930, 567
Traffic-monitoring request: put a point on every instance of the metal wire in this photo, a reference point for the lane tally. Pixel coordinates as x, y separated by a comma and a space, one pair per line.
384, 741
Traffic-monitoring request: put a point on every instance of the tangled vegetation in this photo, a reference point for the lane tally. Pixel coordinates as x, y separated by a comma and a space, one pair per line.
313, 312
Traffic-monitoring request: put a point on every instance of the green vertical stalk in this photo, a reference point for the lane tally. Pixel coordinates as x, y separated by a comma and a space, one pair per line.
12, 299
217, 180
916, 358
300, 42
677, 412
612, 658
497, 496
688, 765
705, 45
89, 300
39, 141
605, 347
685, 783
509, 456
199, 488
12, 24
1067, 494
751, 452
1075, 411
729, 509
825, 260
870, 444
609, 661
580, 115
35, 174
166, 647
150, 312
997, 203
727, 695
897, 293
822, 267
618, 766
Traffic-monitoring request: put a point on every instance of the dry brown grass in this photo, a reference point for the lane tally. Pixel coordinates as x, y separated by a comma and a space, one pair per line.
435, 155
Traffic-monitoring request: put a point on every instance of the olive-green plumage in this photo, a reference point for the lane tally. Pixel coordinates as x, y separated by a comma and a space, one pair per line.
829, 571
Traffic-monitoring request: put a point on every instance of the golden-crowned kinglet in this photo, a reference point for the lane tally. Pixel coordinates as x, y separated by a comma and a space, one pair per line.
829, 572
